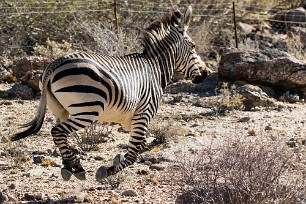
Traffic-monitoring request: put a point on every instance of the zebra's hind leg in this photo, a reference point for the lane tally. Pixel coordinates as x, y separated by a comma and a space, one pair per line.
136, 144
60, 133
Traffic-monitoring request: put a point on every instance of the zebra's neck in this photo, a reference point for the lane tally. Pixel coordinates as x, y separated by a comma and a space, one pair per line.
162, 57
162, 66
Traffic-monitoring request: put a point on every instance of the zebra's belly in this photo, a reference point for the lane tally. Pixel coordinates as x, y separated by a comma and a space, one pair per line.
117, 116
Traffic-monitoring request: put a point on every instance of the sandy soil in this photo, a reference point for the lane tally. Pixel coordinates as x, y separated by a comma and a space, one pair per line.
23, 181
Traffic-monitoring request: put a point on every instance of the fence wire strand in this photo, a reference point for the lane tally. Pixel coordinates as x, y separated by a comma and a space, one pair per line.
212, 13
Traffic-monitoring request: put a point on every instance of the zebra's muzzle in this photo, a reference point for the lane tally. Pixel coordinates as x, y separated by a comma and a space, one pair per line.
199, 78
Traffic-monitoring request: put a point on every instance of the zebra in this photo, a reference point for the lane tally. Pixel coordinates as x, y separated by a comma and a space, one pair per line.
81, 88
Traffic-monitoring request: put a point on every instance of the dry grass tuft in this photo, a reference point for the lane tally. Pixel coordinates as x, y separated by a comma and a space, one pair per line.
227, 100
239, 171
89, 138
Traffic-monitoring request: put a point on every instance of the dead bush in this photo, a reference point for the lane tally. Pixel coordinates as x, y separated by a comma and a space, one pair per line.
227, 100
165, 132
239, 171
108, 41
89, 138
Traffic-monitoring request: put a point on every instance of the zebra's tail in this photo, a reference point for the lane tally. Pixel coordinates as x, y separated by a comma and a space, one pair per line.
35, 125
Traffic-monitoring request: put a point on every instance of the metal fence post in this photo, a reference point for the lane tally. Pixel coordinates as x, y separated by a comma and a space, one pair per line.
235, 26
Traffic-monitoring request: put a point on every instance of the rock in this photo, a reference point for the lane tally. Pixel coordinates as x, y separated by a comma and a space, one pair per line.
184, 86
151, 157
267, 68
38, 159
12, 186
291, 98
80, 197
292, 143
148, 163
254, 97
4, 62
143, 172
2, 153
31, 79
33, 197
274, 137
245, 28
296, 15
28, 174
22, 66
157, 167
130, 192
284, 19
39, 152
244, 119
21, 91
98, 158
268, 127
6, 76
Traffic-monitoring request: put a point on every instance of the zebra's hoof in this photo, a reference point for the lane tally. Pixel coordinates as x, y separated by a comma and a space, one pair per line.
119, 158
101, 173
66, 174
80, 175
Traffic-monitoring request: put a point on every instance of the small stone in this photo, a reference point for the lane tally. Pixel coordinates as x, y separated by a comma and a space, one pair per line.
268, 127
130, 192
12, 186
274, 137
80, 197
148, 163
157, 167
143, 172
2, 154
123, 146
38, 159
251, 132
99, 188
38, 152
30, 197
26, 174
244, 119
98, 158
91, 189
292, 143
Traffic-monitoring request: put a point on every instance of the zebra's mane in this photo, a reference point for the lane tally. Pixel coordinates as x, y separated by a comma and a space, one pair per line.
158, 30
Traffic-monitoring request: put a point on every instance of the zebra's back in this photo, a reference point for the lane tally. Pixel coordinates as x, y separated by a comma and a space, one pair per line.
112, 87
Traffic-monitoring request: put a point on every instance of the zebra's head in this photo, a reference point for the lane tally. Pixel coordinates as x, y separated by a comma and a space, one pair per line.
188, 62
167, 42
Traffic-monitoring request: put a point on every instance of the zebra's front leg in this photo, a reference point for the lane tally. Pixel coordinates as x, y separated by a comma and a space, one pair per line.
136, 144
60, 132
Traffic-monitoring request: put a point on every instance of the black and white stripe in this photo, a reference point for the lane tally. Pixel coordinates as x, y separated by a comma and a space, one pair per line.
80, 88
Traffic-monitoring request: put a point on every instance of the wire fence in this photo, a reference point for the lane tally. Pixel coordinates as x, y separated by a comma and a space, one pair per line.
213, 24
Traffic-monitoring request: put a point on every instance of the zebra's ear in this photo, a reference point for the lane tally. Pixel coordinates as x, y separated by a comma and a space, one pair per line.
187, 18
176, 15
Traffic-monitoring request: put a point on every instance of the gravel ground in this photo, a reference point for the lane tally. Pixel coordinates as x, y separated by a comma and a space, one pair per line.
25, 179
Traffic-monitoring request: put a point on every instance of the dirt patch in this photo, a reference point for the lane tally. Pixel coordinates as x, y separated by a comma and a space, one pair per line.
22, 179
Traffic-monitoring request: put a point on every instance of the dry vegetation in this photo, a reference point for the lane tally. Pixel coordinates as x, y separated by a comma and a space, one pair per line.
212, 153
